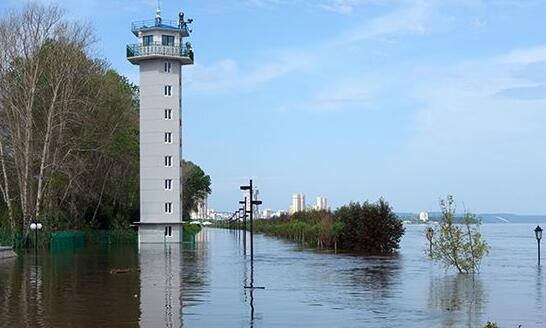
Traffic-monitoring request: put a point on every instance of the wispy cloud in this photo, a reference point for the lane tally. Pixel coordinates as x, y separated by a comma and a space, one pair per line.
525, 56
226, 76
339, 94
346, 7
482, 109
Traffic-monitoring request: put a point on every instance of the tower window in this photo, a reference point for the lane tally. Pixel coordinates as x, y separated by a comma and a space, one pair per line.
168, 90
168, 231
168, 137
168, 67
168, 208
168, 184
168, 161
168, 114
167, 40
148, 40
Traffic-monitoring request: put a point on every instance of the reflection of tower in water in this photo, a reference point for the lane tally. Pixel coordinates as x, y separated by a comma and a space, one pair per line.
168, 287
160, 272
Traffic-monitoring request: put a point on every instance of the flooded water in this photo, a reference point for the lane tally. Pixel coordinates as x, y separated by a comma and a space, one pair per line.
202, 285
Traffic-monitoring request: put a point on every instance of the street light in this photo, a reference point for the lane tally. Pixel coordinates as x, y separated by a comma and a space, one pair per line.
538, 236
430, 234
35, 226
253, 202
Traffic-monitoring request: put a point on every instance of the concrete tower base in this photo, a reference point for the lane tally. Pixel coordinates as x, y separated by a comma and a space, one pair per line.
160, 233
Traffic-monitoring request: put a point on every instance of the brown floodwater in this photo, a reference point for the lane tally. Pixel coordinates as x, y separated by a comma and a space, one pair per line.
202, 285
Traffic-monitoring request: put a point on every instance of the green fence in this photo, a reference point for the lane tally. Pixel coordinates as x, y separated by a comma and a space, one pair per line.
69, 239
66, 239
78, 239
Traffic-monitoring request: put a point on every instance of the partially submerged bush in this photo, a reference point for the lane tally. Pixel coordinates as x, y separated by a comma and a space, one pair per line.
460, 246
370, 227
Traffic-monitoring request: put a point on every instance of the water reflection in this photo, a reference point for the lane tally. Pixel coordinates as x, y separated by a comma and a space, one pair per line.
249, 288
458, 296
69, 289
539, 297
160, 299
201, 285
376, 275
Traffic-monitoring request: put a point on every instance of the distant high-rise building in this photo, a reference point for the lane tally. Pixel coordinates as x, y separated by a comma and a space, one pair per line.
266, 214
298, 203
322, 204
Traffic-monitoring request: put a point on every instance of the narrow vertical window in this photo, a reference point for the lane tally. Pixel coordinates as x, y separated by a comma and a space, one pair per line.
170, 231
168, 184
168, 114
168, 161
168, 208
168, 137
168, 67
168, 90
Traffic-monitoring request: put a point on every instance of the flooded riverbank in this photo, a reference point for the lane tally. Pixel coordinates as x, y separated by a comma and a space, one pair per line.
202, 285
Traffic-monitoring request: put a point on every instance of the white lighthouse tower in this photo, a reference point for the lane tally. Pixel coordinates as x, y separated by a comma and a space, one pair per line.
161, 52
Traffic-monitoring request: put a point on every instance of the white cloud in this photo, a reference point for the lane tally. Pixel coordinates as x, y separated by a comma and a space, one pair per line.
525, 56
226, 76
339, 95
346, 7
467, 111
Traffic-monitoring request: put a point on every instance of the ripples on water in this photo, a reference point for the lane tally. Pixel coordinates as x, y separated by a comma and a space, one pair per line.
201, 285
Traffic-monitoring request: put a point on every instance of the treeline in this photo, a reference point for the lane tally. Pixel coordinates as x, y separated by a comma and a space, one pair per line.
68, 126
371, 228
69, 138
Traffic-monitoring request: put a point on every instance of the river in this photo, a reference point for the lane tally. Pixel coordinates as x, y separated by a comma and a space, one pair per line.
202, 285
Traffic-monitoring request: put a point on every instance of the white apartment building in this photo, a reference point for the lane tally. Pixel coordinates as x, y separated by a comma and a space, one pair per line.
322, 204
298, 204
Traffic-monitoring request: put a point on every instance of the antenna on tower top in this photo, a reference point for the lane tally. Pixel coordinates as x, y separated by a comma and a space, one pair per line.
158, 13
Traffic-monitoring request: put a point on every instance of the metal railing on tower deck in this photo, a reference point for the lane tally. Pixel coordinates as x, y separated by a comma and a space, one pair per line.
138, 50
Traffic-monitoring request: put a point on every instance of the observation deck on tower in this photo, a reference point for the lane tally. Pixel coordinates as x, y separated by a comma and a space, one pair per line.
161, 39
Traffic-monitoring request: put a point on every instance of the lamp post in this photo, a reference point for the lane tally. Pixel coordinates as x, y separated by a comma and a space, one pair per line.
253, 202
538, 236
35, 226
430, 234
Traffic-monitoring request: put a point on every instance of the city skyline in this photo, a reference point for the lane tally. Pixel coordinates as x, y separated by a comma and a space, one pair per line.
414, 99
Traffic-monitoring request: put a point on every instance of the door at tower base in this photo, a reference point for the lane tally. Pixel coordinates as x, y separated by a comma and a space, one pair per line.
160, 233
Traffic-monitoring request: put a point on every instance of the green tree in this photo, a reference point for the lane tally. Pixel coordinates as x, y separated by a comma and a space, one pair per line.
370, 227
195, 187
459, 246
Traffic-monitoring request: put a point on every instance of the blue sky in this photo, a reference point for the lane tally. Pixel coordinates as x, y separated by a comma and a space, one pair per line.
357, 99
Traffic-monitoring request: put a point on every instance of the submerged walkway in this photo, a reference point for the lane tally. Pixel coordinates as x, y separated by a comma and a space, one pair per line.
6, 252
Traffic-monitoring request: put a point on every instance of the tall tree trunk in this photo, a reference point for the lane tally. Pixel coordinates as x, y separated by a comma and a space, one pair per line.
4, 188
45, 151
